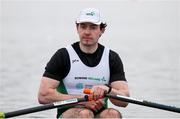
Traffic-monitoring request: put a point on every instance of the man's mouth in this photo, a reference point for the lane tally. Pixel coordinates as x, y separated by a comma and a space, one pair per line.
87, 38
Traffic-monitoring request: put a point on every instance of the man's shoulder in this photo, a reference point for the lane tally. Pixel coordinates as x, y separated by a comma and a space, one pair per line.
61, 53
113, 53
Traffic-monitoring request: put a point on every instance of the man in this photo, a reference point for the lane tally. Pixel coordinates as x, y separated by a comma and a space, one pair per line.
85, 64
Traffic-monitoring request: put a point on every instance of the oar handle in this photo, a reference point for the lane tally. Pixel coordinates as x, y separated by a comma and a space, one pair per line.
139, 102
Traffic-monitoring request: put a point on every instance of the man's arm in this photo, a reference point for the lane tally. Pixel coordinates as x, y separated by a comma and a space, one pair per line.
48, 93
119, 88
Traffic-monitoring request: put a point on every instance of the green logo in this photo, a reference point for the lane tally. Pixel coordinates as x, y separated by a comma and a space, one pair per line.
79, 86
97, 79
90, 14
103, 79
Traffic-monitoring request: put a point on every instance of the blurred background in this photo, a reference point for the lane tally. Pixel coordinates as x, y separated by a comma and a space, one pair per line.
145, 33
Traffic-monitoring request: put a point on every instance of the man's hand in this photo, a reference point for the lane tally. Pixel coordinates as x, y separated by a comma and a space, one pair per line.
94, 105
99, 91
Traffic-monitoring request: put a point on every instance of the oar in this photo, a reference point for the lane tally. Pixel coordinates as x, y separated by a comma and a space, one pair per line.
139, 102
42, 107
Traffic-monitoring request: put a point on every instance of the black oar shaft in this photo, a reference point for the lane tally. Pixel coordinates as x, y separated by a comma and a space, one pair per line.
144, 102
43, 107
161, 106
28, 110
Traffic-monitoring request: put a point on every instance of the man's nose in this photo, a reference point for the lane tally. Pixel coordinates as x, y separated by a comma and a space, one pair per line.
87, 31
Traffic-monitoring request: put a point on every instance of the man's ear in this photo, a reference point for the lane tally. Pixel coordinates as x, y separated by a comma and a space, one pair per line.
103, 30
77, 26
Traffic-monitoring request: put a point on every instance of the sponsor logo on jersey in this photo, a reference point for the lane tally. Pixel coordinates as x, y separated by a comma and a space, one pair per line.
102, 79
75, 60
79, 86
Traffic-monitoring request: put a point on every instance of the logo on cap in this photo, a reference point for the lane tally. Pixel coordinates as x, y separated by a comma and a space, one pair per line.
90, 14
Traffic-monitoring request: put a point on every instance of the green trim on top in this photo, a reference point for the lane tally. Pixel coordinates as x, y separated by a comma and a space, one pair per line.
62, 89
106, 102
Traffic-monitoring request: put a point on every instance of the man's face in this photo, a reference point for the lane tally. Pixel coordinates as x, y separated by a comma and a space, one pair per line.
89, 33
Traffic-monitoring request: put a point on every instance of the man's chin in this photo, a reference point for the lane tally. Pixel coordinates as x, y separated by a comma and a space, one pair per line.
87, 43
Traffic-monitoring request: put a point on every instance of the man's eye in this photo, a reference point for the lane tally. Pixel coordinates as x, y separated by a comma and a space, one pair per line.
93, 27
83, 26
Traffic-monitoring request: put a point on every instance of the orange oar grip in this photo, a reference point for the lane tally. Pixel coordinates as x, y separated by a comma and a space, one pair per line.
87, 91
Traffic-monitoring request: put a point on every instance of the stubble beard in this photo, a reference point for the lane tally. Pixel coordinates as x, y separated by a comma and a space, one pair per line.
89, 43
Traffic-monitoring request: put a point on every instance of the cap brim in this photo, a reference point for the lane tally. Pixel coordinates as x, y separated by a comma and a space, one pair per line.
84, 21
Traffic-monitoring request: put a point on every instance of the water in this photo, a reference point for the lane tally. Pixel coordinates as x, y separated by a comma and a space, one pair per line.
144, 33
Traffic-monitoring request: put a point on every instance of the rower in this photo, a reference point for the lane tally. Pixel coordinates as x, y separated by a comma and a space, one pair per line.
85, 64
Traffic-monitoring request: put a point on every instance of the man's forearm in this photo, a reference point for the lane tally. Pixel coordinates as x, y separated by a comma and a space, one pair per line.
118, 102
54, 96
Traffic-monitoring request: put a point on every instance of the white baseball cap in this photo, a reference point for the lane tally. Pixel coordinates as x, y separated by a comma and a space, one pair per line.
91, 15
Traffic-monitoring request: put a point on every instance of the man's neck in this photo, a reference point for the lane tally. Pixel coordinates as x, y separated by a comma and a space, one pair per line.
88, 49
